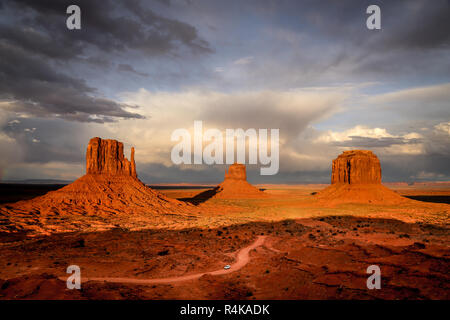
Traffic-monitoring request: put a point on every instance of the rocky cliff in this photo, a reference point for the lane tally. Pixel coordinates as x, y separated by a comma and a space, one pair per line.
104, 156
355, 167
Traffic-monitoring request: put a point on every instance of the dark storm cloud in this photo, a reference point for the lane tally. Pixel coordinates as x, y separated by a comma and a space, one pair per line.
425, 25
136, 28
328, 42
417, 24
37, 50
34, 87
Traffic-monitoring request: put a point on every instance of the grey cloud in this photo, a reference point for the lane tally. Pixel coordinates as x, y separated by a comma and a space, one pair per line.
96, 61
408, 167
332, 44
128, 68
424, 25
136, 28
34, 87
417, 24
37, 50
59, 140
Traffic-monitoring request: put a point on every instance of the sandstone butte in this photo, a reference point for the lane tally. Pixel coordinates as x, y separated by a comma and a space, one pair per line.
110, 188
234, 186
106, 157
356, 178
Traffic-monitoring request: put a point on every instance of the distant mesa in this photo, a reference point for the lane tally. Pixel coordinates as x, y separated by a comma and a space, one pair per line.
109, 190
356, 178
234, 186
236, 171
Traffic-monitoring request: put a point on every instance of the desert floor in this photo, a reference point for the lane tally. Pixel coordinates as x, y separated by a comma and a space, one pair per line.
286, 246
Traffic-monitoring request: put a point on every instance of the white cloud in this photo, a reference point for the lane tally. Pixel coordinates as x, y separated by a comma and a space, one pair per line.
378, 139
362, 131
443, 127
405, 149
290, 111
243, 61
358, 131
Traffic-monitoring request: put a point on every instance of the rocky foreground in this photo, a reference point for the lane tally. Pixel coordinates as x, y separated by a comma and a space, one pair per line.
319, 258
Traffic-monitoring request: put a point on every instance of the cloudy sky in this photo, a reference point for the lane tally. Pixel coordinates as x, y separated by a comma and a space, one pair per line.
137, 70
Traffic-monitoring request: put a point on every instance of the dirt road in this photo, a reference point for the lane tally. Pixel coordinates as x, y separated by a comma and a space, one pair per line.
242, 258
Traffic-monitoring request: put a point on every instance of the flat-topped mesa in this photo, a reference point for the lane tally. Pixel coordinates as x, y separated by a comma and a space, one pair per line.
356, 167
105, 156
236, 172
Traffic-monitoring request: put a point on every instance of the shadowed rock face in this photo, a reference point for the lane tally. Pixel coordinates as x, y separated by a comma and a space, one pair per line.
356, 167
236, 172
104, 156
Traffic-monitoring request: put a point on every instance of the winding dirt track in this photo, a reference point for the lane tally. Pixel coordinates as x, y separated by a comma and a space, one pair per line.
242, 258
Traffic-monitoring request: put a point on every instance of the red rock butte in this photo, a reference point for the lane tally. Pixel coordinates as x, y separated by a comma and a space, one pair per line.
109, 192
356, 166
356, 178
236, 171
104, 156
234, 186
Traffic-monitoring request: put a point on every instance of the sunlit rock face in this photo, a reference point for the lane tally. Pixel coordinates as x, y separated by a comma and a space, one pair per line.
356, 167
236, 172
356, 178
104, 156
